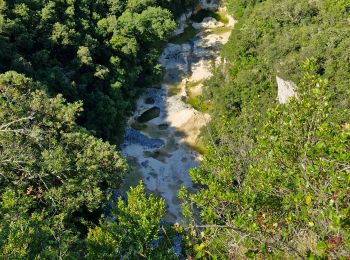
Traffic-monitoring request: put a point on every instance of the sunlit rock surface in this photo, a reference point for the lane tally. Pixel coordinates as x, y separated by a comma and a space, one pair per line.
286, 90
207, 23
160, 146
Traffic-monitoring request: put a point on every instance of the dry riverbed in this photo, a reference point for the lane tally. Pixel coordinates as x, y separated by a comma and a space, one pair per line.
164, 131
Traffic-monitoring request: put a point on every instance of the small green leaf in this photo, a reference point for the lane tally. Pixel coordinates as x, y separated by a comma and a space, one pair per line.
321, 246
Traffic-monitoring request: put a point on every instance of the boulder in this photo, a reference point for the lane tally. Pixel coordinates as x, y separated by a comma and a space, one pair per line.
286, 90
149, 115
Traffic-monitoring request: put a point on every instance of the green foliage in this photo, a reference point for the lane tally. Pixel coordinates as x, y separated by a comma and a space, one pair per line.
274, 182
28, 234
71, 70
54, 173
137, 6
272, 39
280, 188
95, 51
179, 6
45, 151
134, 225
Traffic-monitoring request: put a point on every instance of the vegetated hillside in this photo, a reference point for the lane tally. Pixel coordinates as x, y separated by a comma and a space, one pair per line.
275, 182
70, 69
100, 52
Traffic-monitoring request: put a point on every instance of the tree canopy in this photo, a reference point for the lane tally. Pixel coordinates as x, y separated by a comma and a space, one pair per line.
100, 52
275, 180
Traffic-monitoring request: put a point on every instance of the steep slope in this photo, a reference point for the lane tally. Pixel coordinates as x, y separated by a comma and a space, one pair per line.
275, 180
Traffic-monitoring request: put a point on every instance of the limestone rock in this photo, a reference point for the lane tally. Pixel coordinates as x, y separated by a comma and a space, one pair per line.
286, 90
182, 23
207, 23
175, 56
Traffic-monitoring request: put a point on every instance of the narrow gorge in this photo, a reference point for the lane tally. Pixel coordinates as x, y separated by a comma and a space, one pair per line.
162, 138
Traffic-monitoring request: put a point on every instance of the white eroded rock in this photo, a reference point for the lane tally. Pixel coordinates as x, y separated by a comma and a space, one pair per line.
201, 70
286, 90
162, 156
208, 23
176, 56
209, 42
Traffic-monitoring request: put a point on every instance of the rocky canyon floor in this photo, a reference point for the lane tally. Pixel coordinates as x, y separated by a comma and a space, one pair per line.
162, 138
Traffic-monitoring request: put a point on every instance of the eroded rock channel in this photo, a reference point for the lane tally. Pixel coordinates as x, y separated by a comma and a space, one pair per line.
162, 134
